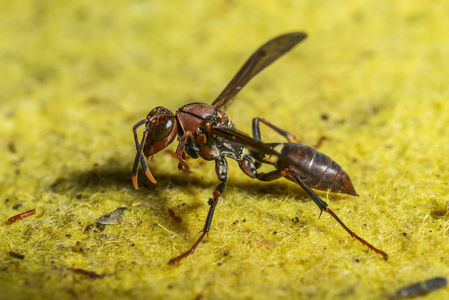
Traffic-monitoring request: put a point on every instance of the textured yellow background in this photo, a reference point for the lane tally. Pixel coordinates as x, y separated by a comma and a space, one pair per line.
77, 75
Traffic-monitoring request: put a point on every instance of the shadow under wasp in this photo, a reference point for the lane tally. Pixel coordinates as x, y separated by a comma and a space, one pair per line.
205, 130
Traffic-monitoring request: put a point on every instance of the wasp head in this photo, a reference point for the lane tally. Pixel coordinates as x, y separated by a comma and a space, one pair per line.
160, 130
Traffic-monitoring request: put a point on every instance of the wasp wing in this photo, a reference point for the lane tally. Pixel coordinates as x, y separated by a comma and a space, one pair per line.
252, 144
262, 58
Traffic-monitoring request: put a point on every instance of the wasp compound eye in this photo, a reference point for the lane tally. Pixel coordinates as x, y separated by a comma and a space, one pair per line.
163, 130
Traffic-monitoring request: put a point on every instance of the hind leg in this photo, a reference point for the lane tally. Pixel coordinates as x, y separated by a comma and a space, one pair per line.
288, 135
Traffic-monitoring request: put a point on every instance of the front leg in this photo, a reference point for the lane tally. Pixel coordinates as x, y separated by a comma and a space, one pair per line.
221, 168
186, 139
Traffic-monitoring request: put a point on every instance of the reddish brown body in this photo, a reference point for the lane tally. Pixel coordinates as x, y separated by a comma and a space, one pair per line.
206, 131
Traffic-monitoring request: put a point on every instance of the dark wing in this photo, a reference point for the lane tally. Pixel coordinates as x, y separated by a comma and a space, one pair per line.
252, 144
262, 58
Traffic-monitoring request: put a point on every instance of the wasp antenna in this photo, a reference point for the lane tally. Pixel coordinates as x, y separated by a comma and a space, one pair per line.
139, 155
143, 162
135, 170
147, 170
134, 179
137, 125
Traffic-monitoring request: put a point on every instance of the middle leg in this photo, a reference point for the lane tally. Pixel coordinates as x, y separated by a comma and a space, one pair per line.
221, 168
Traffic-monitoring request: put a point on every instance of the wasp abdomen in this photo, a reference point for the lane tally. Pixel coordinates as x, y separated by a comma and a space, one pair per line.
316, 169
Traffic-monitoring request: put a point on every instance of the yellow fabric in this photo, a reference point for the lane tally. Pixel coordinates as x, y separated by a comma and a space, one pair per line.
77, 75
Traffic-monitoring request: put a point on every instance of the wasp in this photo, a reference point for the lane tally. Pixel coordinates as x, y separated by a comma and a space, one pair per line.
206, 131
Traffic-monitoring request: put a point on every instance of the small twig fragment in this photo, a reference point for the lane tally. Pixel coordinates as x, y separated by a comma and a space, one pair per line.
89, 274
175, 217
16, 255
422, 288
20, 216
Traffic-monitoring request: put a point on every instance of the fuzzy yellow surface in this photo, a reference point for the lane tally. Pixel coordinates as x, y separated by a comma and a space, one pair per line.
77, 75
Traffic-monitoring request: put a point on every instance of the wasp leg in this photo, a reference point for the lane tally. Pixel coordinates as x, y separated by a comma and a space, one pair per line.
320, 142
249, 167
288, 135
221, 168
256, 130
324, 207
256, 133
276, 174
186, 140
270, 176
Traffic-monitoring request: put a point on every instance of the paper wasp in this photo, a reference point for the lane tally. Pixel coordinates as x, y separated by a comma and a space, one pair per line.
205, 130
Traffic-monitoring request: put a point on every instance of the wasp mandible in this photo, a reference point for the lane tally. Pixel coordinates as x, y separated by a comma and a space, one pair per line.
205, 130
